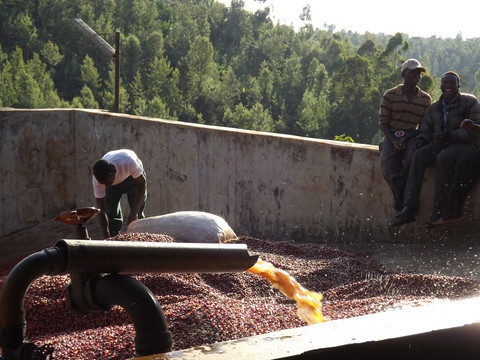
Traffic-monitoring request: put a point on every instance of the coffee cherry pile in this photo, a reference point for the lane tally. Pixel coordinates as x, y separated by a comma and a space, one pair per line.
202, 309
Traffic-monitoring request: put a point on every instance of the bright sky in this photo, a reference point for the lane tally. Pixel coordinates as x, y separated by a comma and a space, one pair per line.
444, 19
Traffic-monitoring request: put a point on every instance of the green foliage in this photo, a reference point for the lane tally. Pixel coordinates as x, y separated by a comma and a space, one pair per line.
204, 62
344, 138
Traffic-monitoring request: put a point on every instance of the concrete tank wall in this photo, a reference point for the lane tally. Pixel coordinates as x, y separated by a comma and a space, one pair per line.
264, 185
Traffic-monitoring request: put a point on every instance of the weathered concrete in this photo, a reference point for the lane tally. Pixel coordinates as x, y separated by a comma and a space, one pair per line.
441, 330
264, 185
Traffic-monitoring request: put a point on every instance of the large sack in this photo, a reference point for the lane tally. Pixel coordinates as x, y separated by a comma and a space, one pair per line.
186, 226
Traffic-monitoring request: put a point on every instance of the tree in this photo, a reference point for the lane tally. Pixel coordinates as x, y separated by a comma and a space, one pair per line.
131, 58
313, 115
156, 108
8, 95
230, 89
137, 96
256, 118
157, 77
202, 79
108, 95
189, 20
357, 100
292, 87
427, 84
23, 31
29, 95
89, 76
152, 48
317, 78
306, 15
51, 54
266, 82
87, 99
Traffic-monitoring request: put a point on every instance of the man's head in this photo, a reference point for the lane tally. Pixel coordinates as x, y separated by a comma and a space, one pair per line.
104, 172
412, 72
412, 64
450, 84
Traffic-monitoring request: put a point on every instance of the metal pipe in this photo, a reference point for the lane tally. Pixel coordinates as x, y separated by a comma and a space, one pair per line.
102, 256
12, 295
79, 257
151, 333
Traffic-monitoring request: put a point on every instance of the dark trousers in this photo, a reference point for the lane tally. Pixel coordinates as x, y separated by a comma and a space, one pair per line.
466, 175
445, 158
395, 166
113, 196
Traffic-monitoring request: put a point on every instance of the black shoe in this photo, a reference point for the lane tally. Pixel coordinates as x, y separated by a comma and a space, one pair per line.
407, 215
448, 220
399, 221
433, 219
407, 211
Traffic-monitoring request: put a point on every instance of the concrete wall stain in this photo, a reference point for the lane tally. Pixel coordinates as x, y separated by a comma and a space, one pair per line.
175, 175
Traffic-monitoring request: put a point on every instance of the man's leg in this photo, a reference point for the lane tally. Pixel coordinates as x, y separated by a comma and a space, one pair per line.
113, 195
422, 158
130, 189
390, 160
446, 161
465, 176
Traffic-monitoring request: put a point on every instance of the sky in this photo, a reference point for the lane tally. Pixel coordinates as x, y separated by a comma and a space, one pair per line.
440, 18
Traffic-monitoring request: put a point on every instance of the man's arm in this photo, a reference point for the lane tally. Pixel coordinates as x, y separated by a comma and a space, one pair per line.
140, 194
387, 131
102, 205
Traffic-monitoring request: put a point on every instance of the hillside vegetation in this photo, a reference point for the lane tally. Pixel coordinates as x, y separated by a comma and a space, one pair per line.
203, 62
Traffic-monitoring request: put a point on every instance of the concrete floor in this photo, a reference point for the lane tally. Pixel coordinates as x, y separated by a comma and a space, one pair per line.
440, 256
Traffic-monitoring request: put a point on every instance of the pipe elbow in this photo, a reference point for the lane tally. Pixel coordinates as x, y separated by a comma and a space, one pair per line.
152, 335
49, 261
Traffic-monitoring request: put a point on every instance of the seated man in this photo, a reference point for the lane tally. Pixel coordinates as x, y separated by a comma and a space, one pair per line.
466, 175
119, 172
441, 142
401, 111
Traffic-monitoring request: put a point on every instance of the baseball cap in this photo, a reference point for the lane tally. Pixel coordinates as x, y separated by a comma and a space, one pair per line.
412, 64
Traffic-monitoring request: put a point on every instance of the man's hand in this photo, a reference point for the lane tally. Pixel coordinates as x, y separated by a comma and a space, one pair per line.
467, 124
440, 136
399, 145
132, 217
418, 143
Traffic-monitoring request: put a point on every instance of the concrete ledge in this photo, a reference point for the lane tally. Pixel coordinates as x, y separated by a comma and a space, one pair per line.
427, 332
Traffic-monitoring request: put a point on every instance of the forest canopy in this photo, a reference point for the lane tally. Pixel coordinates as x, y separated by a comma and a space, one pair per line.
203, 62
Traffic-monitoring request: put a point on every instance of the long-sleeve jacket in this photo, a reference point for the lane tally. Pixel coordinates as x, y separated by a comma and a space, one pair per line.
461, 106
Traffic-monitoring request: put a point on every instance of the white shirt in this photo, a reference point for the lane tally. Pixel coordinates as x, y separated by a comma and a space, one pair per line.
126, 163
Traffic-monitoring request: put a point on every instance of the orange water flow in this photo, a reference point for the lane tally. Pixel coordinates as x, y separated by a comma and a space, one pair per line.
308, 302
